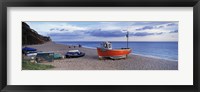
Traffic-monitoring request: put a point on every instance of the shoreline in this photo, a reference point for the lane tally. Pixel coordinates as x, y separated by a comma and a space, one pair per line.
150, 56
91, 62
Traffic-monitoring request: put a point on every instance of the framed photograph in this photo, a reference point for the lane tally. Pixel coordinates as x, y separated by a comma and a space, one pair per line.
129, 45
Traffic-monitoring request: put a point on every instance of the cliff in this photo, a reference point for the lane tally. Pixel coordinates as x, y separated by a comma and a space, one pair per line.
30, 36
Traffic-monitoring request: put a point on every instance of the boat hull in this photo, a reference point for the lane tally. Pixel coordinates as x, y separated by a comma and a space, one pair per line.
114, 54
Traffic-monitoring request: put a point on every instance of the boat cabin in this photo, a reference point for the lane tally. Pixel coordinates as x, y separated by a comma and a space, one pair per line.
106, 45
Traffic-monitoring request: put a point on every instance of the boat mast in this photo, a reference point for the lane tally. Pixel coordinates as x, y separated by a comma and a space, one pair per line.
127, 35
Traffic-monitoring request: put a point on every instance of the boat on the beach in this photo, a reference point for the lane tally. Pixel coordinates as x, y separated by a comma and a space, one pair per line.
106, 51
28, 49
74, 54
57, 56
45, 56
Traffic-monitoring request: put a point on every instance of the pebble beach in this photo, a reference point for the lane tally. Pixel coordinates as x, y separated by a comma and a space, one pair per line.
91, 62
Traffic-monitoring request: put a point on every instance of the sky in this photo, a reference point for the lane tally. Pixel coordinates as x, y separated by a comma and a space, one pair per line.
107, 31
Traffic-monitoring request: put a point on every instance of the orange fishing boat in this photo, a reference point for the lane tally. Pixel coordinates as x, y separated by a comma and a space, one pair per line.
106, 51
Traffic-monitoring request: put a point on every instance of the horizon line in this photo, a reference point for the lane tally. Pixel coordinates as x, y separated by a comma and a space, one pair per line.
115, 41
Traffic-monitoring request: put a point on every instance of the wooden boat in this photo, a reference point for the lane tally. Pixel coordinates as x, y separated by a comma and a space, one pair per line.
106, 51
45, 56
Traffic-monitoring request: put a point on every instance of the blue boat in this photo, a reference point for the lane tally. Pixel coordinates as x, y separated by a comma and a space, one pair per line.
74, 54
28, 49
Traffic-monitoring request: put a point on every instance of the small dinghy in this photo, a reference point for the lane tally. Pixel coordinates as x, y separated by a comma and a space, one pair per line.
29, 51
26, 49
74, 54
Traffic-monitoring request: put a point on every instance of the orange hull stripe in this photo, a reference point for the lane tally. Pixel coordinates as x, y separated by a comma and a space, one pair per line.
119, 52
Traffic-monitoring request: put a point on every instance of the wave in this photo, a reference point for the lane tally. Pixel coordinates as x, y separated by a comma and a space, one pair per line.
150, 56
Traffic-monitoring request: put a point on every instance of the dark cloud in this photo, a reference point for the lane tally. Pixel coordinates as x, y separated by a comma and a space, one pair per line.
63, 34
106, 33
117, 33
175, 31
99, 33
51, 29
151, 23
160, 26
159, 33
141, 34
58, 29
144, 34
145, 28
66, 35
156, 27
172, 24
62, 29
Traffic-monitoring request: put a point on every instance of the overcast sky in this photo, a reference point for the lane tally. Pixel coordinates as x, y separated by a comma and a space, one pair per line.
107, 31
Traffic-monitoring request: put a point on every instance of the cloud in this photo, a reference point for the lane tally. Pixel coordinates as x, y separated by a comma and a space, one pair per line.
159, 33
67, 28
141, 34
172, 24
58, 29
101, 33
149, 23
165, 25
160, 26
175, 31
109, 30
144, 28
63, 34
106, 33
144, 34
63, 29
67, 35
117, 33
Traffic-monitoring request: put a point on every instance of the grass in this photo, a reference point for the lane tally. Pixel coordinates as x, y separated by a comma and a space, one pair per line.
26, 65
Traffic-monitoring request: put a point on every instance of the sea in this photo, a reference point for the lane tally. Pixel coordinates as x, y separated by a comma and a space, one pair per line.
163, 50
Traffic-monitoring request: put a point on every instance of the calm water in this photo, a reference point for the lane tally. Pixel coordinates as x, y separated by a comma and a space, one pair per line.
164, 50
